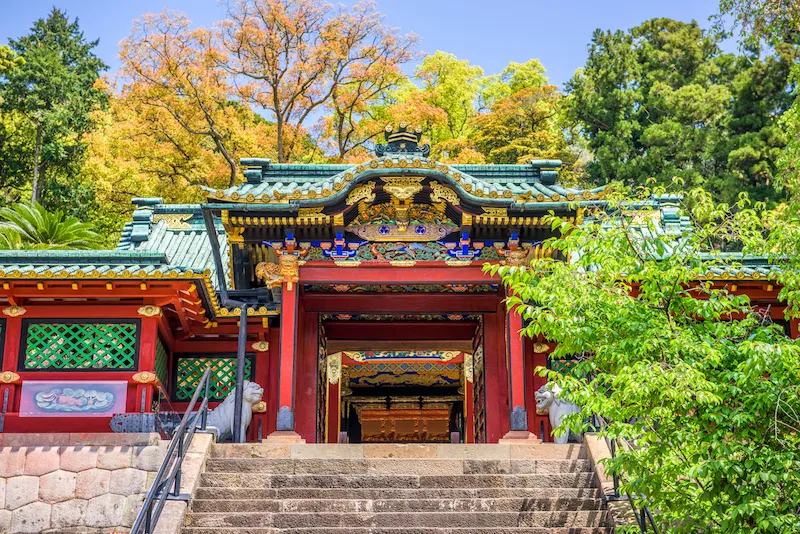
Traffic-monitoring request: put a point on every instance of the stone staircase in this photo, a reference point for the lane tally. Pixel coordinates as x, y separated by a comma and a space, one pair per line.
400, 489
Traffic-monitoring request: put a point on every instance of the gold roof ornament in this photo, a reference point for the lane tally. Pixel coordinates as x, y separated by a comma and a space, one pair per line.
14, 311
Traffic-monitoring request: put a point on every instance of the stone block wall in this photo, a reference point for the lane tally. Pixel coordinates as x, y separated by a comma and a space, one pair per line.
92, 483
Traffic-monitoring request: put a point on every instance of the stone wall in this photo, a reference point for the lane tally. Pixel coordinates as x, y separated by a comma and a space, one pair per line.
93, 483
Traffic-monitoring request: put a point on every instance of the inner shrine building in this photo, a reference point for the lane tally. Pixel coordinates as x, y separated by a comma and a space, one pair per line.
355, 295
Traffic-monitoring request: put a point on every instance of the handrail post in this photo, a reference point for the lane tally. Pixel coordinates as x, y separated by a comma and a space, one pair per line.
614, 475
239, 396
204, 415
177, 490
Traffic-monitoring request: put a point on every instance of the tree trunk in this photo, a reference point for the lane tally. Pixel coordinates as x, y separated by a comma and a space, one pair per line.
279, 127
36, 164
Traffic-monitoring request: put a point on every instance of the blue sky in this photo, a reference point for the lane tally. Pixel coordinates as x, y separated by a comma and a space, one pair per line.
489, 33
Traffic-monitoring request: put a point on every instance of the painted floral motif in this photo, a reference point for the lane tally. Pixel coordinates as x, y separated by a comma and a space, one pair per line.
74, 400
397, 250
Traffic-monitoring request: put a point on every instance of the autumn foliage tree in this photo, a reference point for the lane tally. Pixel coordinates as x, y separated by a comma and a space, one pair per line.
175, 69
294, 57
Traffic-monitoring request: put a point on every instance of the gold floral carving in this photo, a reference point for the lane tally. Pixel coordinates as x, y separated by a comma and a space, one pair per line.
362, 192
403, 188
540, 348
334, 368
468, 372
9, 377
261, 407
150, 311
14, 311
311, 216
260, 346
144, 377
441, 193
458, 263
403, 263
286, 271
346, 263
516, 258
174, 221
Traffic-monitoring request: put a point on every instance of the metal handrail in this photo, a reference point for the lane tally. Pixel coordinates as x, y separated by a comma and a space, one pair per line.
167, 484
644, 517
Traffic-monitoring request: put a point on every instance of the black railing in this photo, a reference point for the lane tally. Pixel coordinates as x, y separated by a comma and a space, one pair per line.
644, 517
167, 485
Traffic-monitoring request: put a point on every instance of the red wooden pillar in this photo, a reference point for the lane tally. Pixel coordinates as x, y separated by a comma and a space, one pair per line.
333, 406
794, 326
515, 356
306, 371
496, 384
285, 423
148, 340
536, 356
11, 351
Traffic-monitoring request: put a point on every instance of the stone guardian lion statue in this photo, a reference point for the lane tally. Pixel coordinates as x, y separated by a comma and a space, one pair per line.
221, 417
548, 402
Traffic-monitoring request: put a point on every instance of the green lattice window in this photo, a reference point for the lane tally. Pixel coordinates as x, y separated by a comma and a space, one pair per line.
190, 370
80, 345
162, 359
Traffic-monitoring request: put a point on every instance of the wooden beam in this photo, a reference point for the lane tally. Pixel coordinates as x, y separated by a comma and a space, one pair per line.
384, 273
400, 330
403, 303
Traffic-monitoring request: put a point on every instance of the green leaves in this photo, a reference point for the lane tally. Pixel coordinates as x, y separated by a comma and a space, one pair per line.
706, 390
32, 226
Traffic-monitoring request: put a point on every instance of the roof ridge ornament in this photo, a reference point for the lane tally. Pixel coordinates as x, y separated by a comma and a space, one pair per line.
404, 140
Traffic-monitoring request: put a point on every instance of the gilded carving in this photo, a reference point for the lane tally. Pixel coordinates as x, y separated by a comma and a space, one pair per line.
260, 407
517, 257
468, 372
9, 377
275, 274
540, 348
334, 368
311, 215
403, 188
14, 311
174, 221
402, 263
145, 377
495, 212
440, 193
260, 346
149, 311
362, 192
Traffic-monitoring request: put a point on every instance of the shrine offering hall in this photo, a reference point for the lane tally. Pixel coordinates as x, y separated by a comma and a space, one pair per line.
355, 295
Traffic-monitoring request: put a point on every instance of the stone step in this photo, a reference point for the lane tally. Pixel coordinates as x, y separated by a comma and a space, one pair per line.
241, 480
395, 466
544, 451
395, 505
400, 530
245, 494
593, 518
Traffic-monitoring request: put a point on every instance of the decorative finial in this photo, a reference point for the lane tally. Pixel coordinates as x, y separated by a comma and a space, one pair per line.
403, 140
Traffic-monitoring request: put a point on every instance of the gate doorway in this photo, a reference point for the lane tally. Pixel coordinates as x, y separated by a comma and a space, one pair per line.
400, 379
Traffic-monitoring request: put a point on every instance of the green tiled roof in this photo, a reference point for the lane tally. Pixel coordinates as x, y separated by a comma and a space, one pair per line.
178, 232
521, 186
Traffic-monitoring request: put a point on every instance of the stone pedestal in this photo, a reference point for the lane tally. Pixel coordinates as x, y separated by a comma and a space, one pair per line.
284, 436
519, 437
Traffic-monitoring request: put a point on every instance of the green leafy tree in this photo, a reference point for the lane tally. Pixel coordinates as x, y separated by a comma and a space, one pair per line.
55, 89
30, 225
695, 378
662, 101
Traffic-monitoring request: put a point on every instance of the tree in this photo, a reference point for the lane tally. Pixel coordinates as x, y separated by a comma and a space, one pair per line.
521, 127
297, 55
177, 70
55, 89
452, 85
771, 20
35, 227
662, 101
8, 60
514, 78
696, 379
